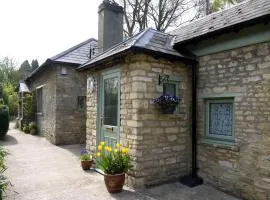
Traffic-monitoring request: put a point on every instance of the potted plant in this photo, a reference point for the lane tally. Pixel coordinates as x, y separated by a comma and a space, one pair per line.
33, 128
167, 102
86, 159
26, 128
114, 162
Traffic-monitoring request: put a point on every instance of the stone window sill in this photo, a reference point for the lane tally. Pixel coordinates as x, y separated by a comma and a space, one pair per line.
229, 145
172, 116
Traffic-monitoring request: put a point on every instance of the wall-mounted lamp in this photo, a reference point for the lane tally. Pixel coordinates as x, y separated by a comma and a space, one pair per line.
91, 84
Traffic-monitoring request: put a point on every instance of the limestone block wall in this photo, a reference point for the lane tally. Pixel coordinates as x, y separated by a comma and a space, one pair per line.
159, 144
70, 120
91, 113
243, 168
46, 120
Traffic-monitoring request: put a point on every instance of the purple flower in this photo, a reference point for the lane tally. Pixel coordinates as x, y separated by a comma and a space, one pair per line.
84, 151
167, 99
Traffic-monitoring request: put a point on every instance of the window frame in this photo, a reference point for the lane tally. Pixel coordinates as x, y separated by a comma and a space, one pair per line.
207, 121
176, 83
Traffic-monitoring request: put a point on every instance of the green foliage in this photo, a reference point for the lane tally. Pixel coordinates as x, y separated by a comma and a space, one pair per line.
24, 70
221, 4
32, 125
9, 77
8, 72
26, 128
34, 64
4, 120
3, 180
29, 107
86, 156
10, 98
113, 161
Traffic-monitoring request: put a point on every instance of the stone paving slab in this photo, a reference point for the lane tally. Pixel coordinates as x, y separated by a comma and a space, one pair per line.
39, 170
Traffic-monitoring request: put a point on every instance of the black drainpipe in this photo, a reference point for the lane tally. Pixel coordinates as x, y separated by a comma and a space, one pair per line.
193, 180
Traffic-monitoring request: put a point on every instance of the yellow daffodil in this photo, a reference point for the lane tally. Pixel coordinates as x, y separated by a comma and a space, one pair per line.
102, 143
100, 147
98, 154
109, 149
125, 150
117, 145
115, 150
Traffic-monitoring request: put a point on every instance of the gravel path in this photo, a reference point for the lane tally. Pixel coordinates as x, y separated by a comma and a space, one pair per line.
39, 170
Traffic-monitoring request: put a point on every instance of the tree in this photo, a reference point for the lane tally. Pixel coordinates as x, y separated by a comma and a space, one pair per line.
8, 72
24, 70
9, 78
162, 14
34, 64
216, 5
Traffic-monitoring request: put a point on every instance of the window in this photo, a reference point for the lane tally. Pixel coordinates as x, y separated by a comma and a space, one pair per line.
219, 119
81, 103
169, 88
39, 100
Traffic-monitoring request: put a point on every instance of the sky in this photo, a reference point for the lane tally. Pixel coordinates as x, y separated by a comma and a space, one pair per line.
39, 29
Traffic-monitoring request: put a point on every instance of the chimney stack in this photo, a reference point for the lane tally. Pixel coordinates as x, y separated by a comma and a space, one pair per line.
110, 24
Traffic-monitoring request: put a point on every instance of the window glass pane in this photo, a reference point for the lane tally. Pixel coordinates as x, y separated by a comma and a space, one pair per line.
39, 100
111, 101
169, 88
81, 104
220, 119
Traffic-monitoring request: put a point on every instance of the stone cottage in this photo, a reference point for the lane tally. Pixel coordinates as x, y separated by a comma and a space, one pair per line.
60, 93
220, 66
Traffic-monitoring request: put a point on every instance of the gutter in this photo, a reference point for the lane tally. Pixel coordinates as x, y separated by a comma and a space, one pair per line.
193, 180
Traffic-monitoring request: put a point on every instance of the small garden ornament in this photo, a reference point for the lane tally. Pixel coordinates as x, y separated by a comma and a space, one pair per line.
167, 102
86, 159
114, 162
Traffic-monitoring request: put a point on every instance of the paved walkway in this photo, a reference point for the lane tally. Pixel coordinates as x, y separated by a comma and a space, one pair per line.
41, 171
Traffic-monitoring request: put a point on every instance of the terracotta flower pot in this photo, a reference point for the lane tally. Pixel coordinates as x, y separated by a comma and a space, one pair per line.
114, 183
86, 164
33, 131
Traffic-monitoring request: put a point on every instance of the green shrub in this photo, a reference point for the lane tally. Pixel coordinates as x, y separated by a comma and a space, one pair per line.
32, 125
26, 128
33, 128
29, 107
3, 180
4, 120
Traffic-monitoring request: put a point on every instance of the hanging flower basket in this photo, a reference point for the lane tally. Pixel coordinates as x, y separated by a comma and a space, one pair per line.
168, 109
167, 102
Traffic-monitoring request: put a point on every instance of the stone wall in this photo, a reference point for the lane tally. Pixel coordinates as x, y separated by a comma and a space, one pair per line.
46, 120
61, 122
159, 143
70, 120
243, 168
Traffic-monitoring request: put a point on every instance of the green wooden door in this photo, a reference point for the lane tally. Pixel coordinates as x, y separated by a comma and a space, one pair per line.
109, 108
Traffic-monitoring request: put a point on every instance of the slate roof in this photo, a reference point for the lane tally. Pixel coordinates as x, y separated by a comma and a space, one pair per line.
77, 55
150, 40
241, 13
23, 88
